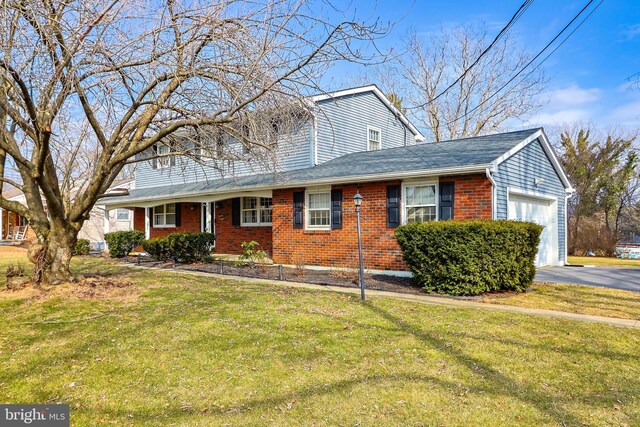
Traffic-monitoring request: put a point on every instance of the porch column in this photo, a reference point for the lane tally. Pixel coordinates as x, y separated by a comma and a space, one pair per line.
147, 223
106, 220
1, 224
208, 217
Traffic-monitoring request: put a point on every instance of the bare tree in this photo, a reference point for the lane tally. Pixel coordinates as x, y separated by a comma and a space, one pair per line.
479, 102
106, 81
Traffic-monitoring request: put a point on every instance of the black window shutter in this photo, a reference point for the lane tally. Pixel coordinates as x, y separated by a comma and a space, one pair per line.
298, 209
154, 160
235, 211
336, 209
446, 200
393, 206
178, 214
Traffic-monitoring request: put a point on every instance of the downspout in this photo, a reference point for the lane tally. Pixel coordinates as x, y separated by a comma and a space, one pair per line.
494, 192
568, 193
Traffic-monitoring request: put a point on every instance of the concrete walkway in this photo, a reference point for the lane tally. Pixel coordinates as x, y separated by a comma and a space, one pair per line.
422, 299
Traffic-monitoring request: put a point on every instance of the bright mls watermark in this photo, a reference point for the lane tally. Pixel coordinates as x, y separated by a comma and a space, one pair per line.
34, 415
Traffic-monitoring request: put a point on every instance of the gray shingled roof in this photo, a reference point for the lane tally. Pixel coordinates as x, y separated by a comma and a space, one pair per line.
461, 153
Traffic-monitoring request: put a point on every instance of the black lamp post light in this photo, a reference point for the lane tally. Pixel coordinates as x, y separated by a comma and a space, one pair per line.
357, 200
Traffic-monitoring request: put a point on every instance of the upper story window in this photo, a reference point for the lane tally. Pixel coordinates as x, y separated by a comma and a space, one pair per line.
164, 160
164, 215
375, 139
420, 202
256, 211
122, 214
319, 209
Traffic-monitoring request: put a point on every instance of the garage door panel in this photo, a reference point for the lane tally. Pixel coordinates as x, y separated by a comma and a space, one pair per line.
542, 212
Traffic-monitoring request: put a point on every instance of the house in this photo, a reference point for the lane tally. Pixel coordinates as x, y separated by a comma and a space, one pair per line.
93, 229
302, 213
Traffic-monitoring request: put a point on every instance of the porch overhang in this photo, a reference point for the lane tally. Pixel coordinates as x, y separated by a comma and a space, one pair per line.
216, 191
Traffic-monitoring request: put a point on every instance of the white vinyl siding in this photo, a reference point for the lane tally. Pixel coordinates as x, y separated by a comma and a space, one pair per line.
164, 215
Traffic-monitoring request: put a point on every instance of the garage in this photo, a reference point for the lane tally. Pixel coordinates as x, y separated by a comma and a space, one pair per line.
543, 211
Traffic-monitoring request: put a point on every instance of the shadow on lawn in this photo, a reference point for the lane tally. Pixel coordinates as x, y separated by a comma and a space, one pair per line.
500, 381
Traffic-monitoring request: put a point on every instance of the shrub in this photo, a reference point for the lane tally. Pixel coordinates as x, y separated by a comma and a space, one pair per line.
251, 253
122, 242
470, 257
82, 247
180, 247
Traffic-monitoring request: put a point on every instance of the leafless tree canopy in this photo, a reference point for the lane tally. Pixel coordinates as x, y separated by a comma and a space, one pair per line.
88, 85
473, 106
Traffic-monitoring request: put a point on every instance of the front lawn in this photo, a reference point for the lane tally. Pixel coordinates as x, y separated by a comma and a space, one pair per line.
574, 299
604, 261
197, 351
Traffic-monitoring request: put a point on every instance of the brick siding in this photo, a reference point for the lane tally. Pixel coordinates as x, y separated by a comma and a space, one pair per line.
339, 248
228, 237
330, 248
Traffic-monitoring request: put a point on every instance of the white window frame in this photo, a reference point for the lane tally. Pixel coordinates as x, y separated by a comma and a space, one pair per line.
405, 206
259, 209
369, 140
164, 161
164, 216
122, 210
307, 209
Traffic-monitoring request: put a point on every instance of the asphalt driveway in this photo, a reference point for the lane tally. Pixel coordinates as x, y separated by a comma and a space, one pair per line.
616, 278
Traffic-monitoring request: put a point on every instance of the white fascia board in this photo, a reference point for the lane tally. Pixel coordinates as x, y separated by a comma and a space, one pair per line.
265, 190
376, 90
544, 141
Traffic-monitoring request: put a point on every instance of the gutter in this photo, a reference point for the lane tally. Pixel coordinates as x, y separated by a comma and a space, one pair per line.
309, 183
494, 192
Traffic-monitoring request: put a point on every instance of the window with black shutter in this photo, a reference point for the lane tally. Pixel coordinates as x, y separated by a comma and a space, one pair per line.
336, 209
446, 200
298, 209
393, 206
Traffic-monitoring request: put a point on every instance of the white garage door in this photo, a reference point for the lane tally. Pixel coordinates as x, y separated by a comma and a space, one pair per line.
543, 212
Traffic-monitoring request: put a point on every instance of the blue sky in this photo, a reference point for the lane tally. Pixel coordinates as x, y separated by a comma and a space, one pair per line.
587, 75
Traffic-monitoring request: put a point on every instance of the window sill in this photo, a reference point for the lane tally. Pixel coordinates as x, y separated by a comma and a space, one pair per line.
263, 224
164, 226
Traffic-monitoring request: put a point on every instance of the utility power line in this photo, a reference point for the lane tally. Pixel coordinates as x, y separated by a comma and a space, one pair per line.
521, 10
537, 56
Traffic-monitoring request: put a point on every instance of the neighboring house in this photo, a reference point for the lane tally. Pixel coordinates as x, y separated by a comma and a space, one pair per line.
93, 229
303, 214
13, 227
120, 219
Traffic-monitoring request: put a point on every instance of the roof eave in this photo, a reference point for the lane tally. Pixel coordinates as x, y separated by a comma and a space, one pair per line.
420, 173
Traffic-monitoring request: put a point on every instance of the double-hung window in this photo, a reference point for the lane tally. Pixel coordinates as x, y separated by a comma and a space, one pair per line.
164, 160
420, 202
256, 211
164, 215
375, 139
319, 209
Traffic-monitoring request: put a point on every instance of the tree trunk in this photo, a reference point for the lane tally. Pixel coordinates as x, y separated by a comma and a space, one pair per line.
51, 258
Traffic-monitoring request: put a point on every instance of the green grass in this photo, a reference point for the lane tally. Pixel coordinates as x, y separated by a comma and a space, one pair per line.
198, 351
575, 299
604, 261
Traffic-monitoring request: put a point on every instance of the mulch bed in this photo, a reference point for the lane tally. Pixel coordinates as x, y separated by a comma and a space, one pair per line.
379, 282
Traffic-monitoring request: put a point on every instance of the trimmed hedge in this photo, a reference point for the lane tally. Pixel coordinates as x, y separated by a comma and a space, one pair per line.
82, 247
122, 242
180, 247
471, 257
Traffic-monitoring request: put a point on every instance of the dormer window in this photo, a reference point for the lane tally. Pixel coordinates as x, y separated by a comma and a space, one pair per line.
375, 139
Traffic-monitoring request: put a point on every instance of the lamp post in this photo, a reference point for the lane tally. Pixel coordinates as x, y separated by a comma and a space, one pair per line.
357, 200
